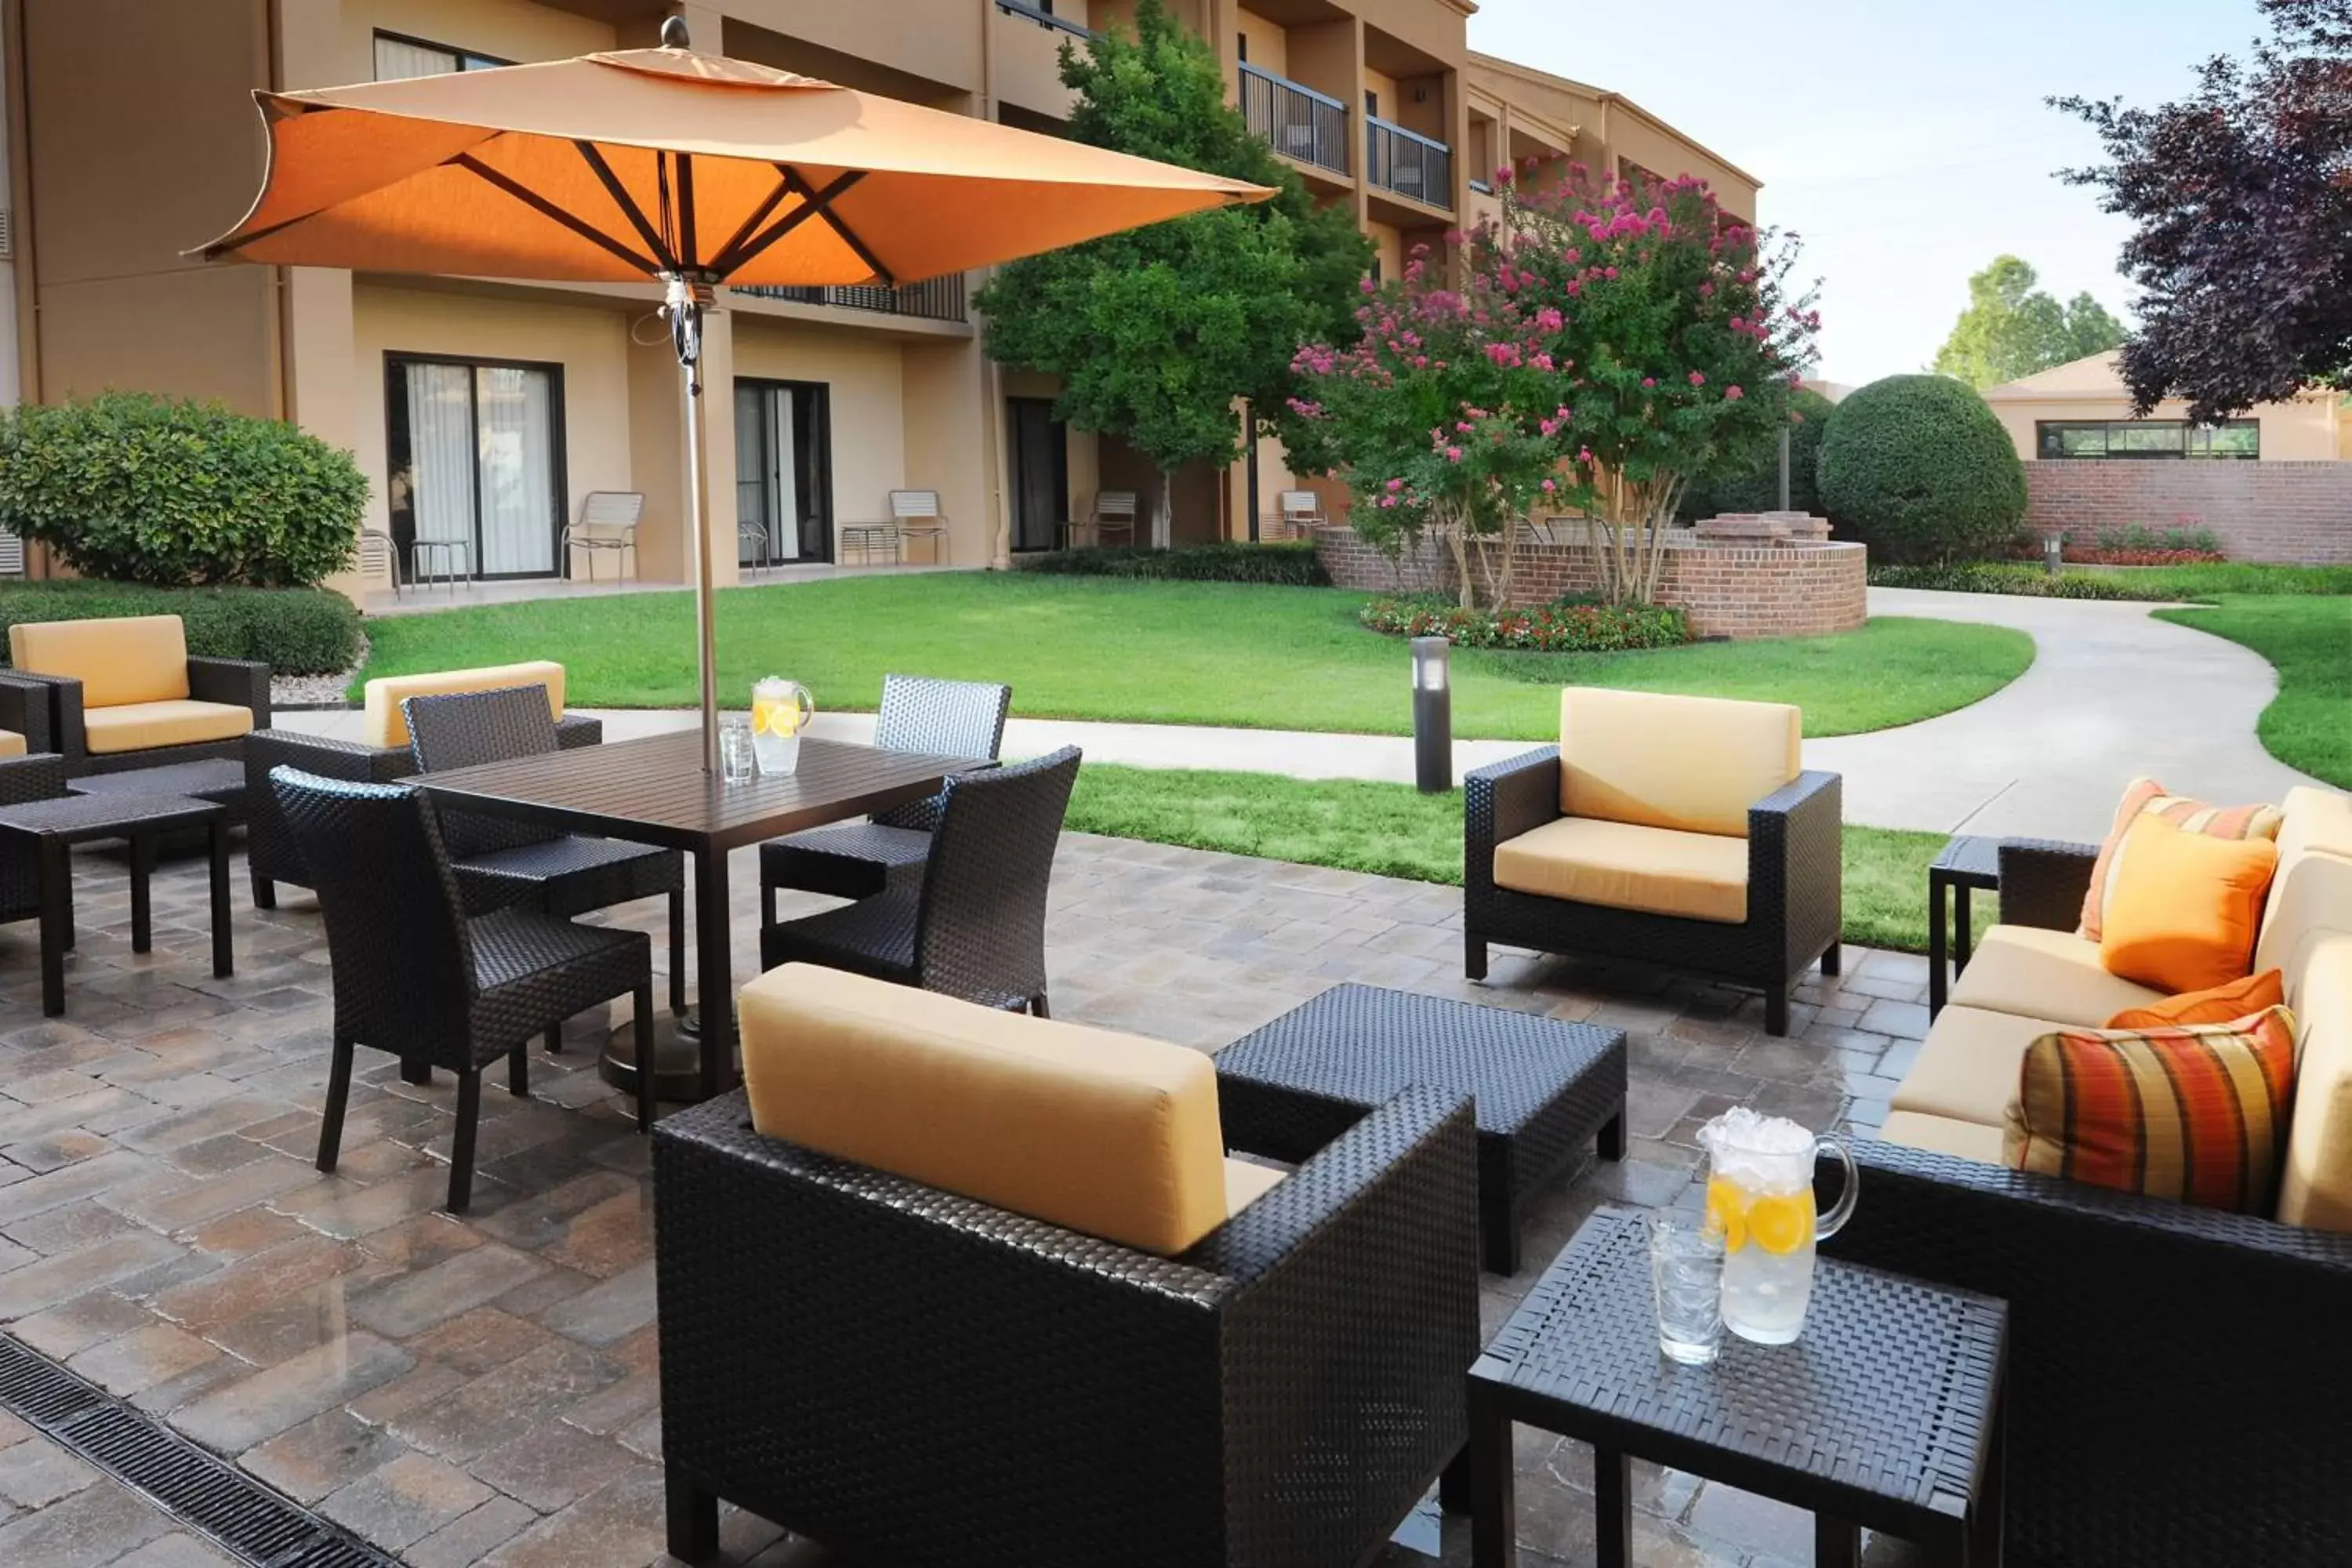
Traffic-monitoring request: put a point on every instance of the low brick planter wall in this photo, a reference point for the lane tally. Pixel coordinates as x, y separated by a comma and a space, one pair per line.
1727, 590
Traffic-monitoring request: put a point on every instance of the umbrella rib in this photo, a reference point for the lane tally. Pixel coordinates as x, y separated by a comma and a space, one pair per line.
858, 248
813, 203
548, 209
626, 203
722, 262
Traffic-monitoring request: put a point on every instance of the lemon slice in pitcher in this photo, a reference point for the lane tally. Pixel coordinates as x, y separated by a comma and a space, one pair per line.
1781, 1224
1727, 1212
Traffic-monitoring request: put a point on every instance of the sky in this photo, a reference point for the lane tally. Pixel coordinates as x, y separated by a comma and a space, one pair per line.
1905, 143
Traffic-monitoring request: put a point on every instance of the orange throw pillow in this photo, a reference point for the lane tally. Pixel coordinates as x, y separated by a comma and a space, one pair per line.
2185, 907
2146, 795
2198, 1115
2214, 1005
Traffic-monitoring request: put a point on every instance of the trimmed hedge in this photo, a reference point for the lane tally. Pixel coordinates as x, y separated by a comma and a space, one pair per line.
1563, 628
2008, 577
1286, 565
294, 631
1920, 468
1758, 488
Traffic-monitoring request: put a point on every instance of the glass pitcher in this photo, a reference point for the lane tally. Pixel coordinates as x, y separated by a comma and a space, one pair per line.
780, 709
1759, 1194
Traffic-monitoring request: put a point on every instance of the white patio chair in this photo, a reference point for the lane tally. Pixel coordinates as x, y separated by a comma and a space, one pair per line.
1301, 512
916, 513
607, 522
1114, 512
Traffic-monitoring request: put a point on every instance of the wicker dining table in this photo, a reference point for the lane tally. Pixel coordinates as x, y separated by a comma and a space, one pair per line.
654, 791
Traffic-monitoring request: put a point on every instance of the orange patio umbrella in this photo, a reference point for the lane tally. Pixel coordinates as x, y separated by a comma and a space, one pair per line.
684, 168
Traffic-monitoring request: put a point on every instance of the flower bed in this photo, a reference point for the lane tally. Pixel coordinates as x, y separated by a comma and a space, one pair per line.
1565, 627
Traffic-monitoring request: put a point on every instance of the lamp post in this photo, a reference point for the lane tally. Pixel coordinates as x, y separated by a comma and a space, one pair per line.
2053, 552
1433, 715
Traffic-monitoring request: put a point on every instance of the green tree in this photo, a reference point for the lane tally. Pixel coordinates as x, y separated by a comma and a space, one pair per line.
2011, 328
1920, 468
1156, 332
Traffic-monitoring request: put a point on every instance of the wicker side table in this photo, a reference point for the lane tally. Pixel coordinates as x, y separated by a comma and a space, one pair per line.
1885, 1413
55, 827
217, 779
1544, 1089
1967, 862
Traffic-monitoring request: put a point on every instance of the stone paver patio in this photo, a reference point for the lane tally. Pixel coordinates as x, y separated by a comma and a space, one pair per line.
485, 1389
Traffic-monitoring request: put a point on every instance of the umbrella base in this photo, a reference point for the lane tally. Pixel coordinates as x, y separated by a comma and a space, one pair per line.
678, 1058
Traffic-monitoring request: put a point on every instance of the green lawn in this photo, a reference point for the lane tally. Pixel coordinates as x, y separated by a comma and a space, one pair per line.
1396, 831
1171, 653
2309, 641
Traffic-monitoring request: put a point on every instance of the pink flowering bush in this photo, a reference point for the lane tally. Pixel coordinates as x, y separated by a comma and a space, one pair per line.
1595, 354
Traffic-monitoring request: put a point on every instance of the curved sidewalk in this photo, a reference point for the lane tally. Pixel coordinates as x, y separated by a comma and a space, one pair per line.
2112, 693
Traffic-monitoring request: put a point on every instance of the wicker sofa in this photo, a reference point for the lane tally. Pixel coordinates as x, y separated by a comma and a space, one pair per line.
381, 755
1680, 831
1086, 1338
123, 692
2178, 1378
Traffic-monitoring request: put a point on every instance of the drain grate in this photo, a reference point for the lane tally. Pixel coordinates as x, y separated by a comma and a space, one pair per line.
204, 1493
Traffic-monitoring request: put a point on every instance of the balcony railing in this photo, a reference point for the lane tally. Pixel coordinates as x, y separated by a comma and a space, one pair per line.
940, 299
1043, 19
1409, 163
1298, 121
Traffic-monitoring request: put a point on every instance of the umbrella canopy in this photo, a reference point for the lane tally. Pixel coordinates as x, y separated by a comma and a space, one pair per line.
619, 166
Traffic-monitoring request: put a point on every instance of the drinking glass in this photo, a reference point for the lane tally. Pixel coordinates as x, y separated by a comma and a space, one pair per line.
1687, 1271
738, 764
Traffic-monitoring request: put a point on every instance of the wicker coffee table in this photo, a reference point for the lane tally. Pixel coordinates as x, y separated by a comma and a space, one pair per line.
217, 779
1885, 1413
1544, 1089
55, 827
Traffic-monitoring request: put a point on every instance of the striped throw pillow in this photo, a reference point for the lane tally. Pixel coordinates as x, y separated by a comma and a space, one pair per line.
2260, 821
2197, 1114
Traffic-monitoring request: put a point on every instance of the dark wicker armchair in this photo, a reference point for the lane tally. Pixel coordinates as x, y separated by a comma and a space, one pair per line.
974, 925
1794, 904
24, 780
416, 976
2177, 1375
858, 859
915, 1378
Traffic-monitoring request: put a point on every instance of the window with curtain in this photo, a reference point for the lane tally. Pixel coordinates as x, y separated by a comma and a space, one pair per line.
476, 458
398, 58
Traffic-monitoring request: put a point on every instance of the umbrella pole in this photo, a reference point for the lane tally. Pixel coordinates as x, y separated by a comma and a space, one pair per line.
685, 311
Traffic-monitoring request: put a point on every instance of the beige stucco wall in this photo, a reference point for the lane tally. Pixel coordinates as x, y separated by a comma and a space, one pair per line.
503, 29
2305, 429
1269, 43
1027, 59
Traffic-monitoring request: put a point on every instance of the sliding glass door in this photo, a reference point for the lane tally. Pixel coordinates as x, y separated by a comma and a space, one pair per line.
783, 471
476, 452
1041, 473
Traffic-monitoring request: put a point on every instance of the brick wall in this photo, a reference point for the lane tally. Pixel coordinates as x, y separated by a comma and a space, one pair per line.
2262, 511
1802, 590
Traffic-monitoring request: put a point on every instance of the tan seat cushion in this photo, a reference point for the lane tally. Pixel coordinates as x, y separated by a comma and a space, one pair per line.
1698, 875
1102, 1132
2315, 1188
1967, 1067
119, 660
12, 745
382, 723
139, 726
2040, 974
1695, 763
1943, 1135
1246, 1183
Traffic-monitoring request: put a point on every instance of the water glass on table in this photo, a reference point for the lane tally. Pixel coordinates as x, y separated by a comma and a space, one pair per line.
1686, 1271
738, 762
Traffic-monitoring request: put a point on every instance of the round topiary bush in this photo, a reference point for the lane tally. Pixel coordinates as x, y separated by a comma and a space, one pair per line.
138, 488
1918, 468
1756, 487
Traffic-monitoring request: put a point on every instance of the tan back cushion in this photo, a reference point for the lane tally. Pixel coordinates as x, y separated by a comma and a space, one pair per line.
384, 724
1695, 764
2312, 892
2317, 1188
1102, 1132
124, 658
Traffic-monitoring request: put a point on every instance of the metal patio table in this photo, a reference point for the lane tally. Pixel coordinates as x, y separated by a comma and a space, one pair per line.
1885, 1413
654, 791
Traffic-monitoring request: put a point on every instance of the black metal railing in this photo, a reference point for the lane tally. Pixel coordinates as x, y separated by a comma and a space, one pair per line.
1296, 121
1408, 163
1043, 19
940, 299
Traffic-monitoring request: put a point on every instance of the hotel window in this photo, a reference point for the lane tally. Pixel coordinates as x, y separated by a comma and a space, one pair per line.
2234, 438
398, 58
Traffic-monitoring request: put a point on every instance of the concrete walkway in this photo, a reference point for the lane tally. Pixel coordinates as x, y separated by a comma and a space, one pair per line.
2112, 693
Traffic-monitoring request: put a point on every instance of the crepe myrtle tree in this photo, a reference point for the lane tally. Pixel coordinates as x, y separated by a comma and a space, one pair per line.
1602, 348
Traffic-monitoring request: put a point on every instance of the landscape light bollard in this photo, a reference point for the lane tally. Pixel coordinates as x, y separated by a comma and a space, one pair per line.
2053, 552
1433, 715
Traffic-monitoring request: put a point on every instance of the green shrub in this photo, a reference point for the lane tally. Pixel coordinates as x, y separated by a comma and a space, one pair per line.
1291, 565
1566, 626
1917, 468
2007, 577
137, 489
2139, 537
294, 631
1758, 488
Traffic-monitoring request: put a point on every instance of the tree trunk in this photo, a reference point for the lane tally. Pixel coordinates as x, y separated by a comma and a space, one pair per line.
1159, 515
1465, 581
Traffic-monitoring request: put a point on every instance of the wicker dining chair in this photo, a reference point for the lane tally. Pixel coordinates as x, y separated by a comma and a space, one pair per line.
974, 925
416, 976
501, 863
858, 859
